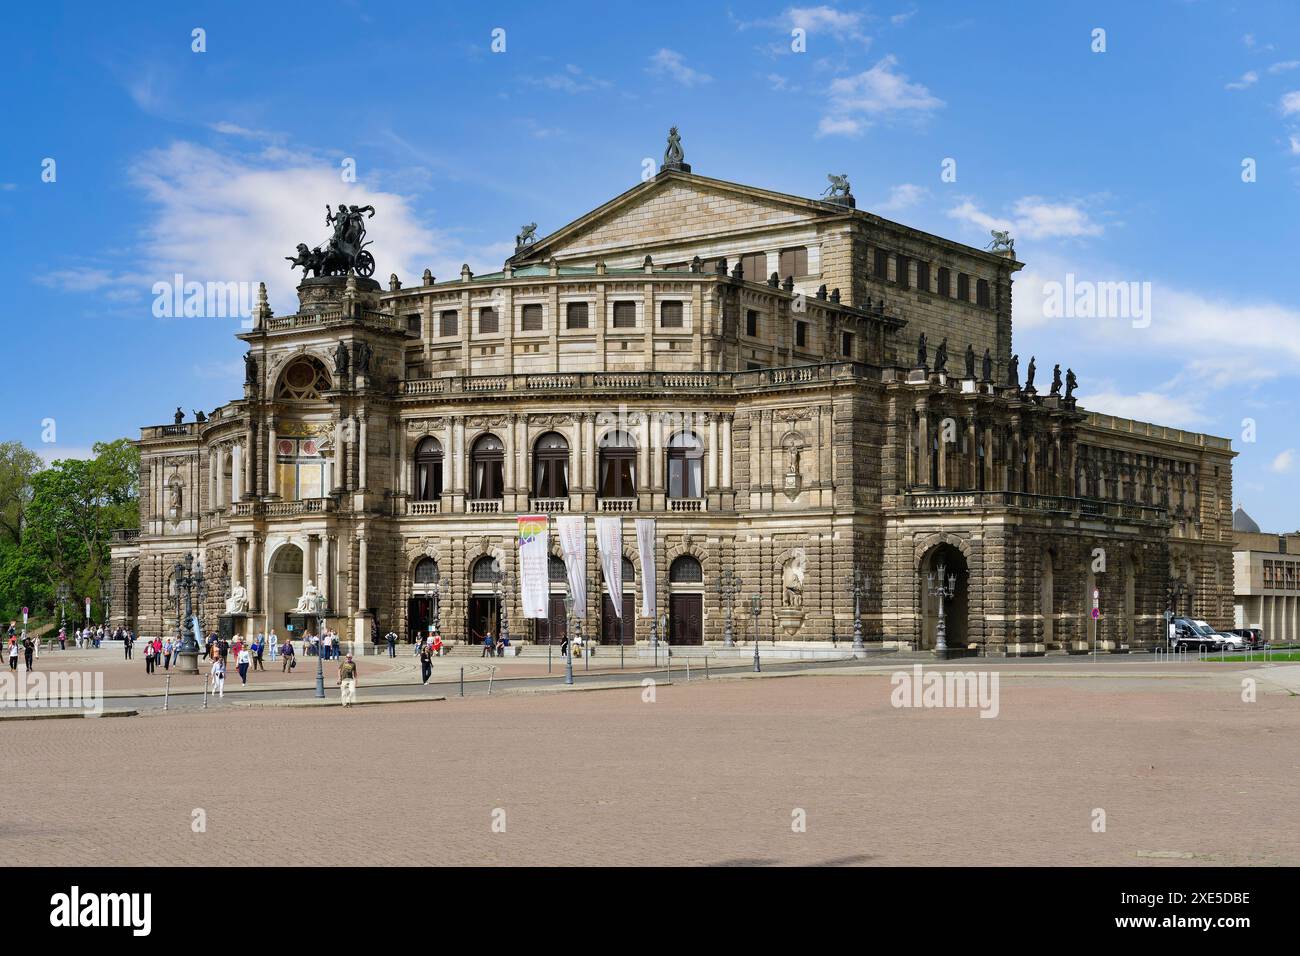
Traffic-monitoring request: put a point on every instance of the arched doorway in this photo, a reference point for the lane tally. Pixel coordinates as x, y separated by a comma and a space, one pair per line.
953, 563
422, 606
131, 610
483, 608
551, 629
1048, 600
611, 626
285, 588
686, 601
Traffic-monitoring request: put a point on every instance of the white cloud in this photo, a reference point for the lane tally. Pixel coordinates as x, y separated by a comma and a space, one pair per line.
1283, 67
816, 19
670, 63
1033, 218
1178, 411
1295, 145
1249, 78
898, 19
1284, 462
1290, 103
571, 80
901, 197
875, 93
52, 453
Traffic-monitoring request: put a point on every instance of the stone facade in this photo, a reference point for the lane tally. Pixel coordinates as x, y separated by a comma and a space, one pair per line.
769, 422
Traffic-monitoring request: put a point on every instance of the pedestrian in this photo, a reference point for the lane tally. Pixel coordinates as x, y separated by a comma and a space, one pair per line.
286, 651
489, 646
348, 682
157, 651
437, 645
63, 638
426, 662
242, 660
258, 647
564, 646
148, 657
391, 638
223, 649
218, 677
13, 655
29, 648
167, 654
126, 646
334, 644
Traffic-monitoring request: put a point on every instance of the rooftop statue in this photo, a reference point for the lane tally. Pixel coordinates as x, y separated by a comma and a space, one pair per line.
1029, 377
1002, 241
673, 155
1013, 371
527, 235
345, 251
921, 352
941, 356
1071, 383
1056, 379
839, 185
970, 361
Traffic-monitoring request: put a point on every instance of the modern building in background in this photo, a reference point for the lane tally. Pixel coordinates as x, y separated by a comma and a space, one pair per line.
1266, 575
743, 365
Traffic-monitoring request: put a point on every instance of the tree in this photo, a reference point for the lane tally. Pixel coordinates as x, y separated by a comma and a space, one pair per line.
17, 466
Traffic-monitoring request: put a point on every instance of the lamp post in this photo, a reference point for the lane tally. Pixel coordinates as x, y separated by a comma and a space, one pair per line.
568, 634
858, 582
63, 601
437, 607
507, 585
945, 588
729, 586
318, 606
756, 608
189, 579
105, 595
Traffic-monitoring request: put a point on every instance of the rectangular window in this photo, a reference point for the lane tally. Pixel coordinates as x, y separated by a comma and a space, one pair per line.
449, 322
963, 286
575, 315
794, 262
754, 266
751, 323
488, 323
881, 267
801, 334
903, 266
982, 292
923, 276
846, 345
415, 372
625, 315
530, 319
413, 322
670, 315
945, 282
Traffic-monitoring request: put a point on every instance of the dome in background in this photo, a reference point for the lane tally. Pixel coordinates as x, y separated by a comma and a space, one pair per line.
1244, 522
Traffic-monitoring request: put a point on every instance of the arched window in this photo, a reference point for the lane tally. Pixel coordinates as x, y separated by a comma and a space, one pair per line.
551, 466
617, 465
428, 470
629, 573
685, 466
487, 462
426, 572
556, 571
685, 570
304, 380
485, 571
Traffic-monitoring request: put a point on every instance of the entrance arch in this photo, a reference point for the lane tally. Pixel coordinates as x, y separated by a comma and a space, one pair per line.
131, 617
422, 605
285, 586
955, 608
686, 601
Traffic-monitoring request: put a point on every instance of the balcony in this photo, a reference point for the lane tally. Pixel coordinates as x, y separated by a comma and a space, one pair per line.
125, 535
548, 506
291, 509
685, 504
301, 320
423, 507
1049, 504
484, 507
617, 504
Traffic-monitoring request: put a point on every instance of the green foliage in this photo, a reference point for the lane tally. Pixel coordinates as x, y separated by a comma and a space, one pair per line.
67, 514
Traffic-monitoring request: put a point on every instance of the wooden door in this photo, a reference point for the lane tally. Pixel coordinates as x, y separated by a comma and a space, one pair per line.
686, 619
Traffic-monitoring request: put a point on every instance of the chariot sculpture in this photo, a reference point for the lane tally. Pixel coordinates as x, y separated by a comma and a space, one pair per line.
345, 251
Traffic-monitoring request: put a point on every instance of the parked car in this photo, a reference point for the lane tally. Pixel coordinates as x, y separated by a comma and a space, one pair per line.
1253, 636
1193, 635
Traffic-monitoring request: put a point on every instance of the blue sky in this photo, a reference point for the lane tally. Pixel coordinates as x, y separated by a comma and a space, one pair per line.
1122, 165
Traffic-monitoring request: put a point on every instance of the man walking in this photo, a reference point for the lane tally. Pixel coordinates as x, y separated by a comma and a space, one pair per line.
348, 682
29, 648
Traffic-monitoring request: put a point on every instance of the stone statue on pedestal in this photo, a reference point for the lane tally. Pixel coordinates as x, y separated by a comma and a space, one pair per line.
1013, 372
941, 356
237, 603
970, 361
1056, 379
922, 353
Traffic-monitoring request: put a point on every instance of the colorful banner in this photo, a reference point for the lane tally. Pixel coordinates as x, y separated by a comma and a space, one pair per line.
645, 549
572, 530
534, 589
609, 544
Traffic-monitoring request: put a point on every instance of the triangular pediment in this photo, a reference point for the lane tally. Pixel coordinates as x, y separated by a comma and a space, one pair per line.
673, 208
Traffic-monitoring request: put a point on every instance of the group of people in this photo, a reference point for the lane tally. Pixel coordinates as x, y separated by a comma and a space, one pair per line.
326, 645
23, 642
494, 646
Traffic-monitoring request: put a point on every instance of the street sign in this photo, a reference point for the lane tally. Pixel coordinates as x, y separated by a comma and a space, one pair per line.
1096, 613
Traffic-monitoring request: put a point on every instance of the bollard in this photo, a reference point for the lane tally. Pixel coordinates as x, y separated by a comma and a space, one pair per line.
492, 671
462, 682
688, 670
205, 692
706, 668
548, 655
167, 690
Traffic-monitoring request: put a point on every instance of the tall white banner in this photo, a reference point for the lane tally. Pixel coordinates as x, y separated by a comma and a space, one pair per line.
645, 549
534, 552
609, 544
572, 530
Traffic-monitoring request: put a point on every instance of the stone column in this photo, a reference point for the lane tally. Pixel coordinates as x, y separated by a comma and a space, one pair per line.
237, 473
362, 452
458, 455
272, 469
212, 479
510, 434
713, 450
644, 480
249, 488
363, 584
726, 449
656, 453
923, 441
589, 445
344, 432
327, 578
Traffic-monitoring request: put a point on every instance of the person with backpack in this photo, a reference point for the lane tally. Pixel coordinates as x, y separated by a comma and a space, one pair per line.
391, 638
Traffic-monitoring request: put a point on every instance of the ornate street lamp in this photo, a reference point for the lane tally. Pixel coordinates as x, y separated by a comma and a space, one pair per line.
189, 579
505, 585
729, 586
858, 583
756, 608
63, 601
105, 595
944, 589
568, 634
318, 606
437, 607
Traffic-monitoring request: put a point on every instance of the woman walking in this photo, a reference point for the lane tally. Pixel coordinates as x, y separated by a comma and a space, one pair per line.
218, 677
259, 646
167, 654
242, 660
13, 654
426, 661
148, 657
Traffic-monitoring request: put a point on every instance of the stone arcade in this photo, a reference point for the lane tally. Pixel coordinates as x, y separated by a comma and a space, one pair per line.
742, 365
